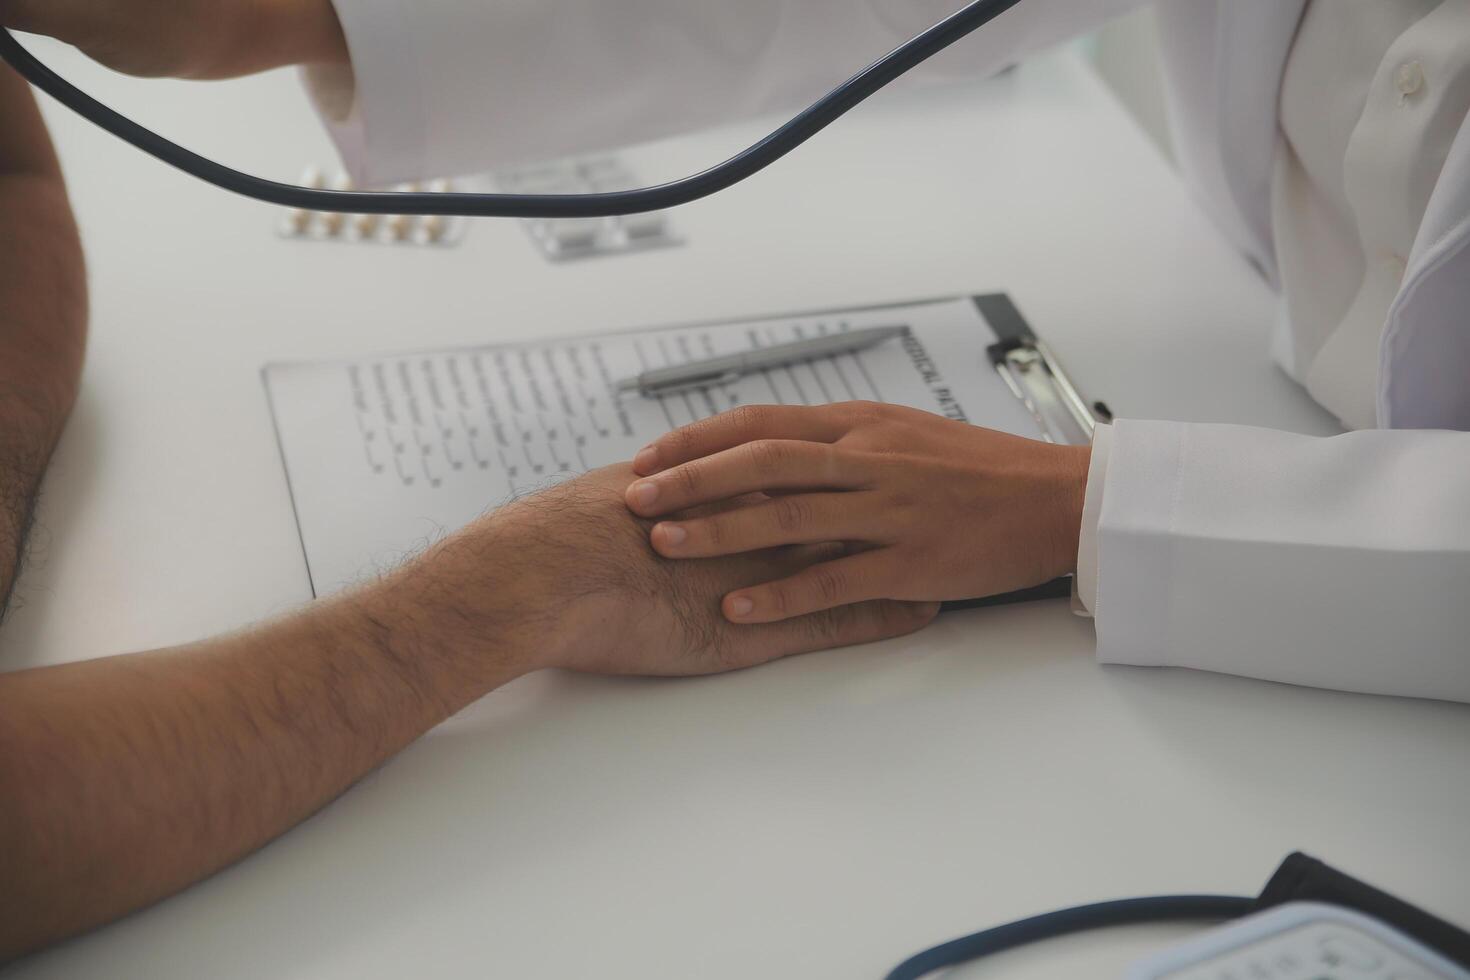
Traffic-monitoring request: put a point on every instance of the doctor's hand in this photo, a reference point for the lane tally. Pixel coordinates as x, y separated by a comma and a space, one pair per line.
187, 38
928, 508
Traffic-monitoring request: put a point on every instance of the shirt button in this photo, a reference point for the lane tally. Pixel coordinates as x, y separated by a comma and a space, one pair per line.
1409, 79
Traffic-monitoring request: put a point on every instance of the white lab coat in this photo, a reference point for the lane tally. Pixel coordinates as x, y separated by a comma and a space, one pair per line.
1339, 562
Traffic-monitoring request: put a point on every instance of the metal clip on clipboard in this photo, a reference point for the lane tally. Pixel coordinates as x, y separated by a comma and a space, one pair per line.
1033, 374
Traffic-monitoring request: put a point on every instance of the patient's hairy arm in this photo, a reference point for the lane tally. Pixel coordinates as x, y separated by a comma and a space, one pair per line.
127, 778
124, 779
43, 314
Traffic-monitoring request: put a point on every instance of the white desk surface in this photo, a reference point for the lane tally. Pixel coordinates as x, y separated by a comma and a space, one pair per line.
822, 817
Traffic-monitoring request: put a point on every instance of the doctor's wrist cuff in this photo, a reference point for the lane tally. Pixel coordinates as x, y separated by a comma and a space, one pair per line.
1084, 583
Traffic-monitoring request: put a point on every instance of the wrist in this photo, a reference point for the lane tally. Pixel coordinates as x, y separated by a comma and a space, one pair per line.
1074, 462
408, 638
468, 615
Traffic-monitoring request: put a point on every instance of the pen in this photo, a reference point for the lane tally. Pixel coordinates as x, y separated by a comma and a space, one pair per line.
729, 367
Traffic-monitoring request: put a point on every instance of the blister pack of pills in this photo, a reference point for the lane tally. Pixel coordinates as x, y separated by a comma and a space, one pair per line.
377, 229
562, 239
558, 239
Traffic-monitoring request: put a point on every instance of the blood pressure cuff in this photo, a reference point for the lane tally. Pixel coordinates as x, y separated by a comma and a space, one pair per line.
1305, 879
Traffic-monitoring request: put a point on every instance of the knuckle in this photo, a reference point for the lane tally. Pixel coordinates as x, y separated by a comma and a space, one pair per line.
677, 442
688, 480
830, 463
863, 420
828, 584
768, 457
687, 441
712, 530
791, 514
778, 597
748, 416
901, 503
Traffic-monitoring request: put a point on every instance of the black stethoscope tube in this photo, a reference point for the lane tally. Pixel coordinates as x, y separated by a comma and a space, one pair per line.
1050, 925
792, 134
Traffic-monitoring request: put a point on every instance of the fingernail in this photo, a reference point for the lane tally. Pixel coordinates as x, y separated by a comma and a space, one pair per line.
673, 534
740, 606
645, 493
646, 460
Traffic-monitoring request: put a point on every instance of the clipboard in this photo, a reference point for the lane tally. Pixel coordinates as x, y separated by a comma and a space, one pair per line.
378, 448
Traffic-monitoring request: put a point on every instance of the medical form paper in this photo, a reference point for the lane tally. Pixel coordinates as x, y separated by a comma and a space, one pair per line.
385, 454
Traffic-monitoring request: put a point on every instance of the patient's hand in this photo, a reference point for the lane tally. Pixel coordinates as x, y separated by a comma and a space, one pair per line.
568, 577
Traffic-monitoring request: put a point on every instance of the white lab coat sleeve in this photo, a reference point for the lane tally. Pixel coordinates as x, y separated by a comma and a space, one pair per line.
1339, 562
446, 87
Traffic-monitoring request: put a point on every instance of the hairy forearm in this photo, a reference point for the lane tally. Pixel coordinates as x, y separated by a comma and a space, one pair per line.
43, 314
124, 779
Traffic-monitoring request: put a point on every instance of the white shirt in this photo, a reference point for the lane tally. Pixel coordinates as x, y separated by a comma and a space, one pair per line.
1373, 94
